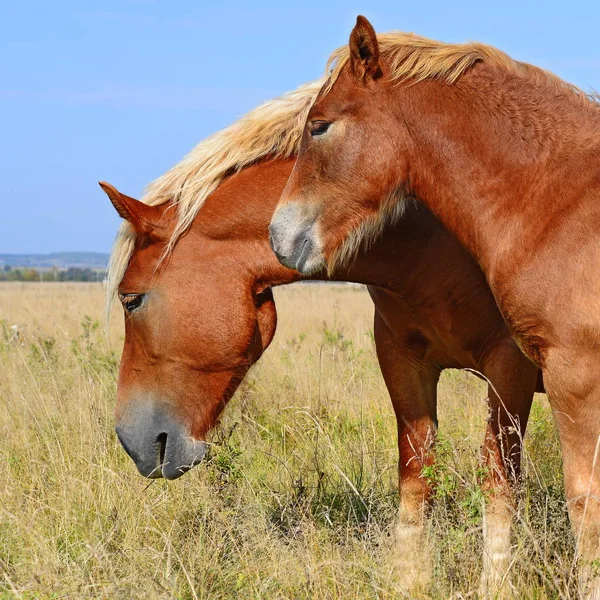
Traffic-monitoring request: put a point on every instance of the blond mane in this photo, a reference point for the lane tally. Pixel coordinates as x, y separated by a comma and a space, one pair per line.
416, 58
272, 130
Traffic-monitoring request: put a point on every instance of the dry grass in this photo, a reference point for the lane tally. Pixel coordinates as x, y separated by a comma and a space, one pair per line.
299, 491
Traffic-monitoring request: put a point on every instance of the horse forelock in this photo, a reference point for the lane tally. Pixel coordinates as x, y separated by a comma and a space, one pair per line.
273, 130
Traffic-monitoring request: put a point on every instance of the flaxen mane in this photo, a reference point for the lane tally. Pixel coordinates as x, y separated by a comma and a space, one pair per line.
273, 129
416, 58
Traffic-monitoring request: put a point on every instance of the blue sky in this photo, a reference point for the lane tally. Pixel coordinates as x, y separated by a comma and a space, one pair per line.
121, 90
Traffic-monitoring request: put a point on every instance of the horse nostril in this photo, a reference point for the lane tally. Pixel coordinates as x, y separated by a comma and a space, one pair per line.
306, 241
161, 440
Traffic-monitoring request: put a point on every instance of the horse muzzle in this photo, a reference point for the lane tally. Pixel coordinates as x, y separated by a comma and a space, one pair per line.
158, 444
295, 243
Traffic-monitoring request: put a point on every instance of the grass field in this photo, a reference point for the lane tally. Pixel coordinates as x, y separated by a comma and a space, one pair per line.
298, 494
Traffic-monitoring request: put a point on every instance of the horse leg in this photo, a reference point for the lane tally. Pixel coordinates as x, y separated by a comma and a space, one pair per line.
412, 388
575, 399
512, 381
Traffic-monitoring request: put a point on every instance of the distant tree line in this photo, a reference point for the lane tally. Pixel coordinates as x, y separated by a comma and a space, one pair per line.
55, 274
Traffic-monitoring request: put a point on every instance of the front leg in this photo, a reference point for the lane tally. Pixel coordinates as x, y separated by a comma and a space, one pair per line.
573, 385
412, 384
512, 384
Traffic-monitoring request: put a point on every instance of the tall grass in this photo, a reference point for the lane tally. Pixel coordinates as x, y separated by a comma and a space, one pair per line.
297, 496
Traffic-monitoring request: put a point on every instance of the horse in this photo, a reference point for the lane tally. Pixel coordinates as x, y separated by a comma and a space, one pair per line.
193, 269
507, 156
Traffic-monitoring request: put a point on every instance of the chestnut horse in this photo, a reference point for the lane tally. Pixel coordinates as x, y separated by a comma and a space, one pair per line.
199, 316
507, 156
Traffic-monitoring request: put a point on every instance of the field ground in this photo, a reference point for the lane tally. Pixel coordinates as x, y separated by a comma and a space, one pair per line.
297, 496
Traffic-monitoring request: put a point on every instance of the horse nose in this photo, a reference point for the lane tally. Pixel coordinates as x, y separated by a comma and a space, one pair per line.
158, 444
290, 254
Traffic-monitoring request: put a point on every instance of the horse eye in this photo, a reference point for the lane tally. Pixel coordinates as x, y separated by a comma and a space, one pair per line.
131, 301
319, 127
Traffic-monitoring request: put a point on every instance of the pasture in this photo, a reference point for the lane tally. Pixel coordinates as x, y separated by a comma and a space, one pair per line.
297, 496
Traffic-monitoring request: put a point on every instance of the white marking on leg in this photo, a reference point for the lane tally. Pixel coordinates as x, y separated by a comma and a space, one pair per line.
497, 550
411, 561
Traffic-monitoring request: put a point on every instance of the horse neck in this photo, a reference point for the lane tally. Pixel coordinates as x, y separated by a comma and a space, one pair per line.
238, 213
500, 157
236, 216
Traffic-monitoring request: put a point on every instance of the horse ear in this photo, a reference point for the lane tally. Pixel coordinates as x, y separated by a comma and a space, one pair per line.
364, 51
145, 219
